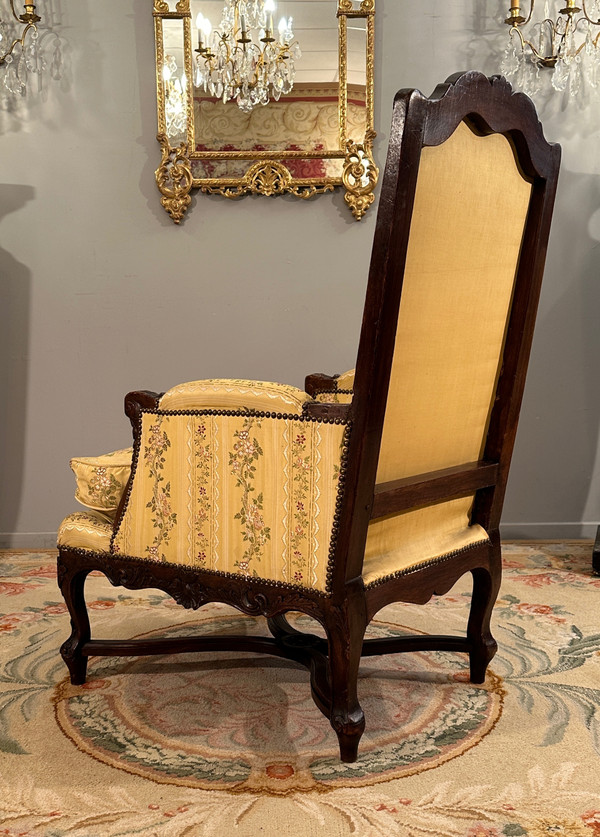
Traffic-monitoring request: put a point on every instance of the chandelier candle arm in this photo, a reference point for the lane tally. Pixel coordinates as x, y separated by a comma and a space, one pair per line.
565, 44
587, 16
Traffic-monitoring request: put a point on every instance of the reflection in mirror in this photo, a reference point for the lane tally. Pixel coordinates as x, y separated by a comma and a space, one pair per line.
357, 78
303, 113
277, 98
174, 81
245, 58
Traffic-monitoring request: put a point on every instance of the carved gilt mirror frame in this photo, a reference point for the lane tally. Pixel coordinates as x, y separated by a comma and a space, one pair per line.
313, 139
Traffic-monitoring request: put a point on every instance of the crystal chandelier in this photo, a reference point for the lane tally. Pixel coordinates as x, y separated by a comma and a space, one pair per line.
567, 44
19, 54
175, 98
242, 59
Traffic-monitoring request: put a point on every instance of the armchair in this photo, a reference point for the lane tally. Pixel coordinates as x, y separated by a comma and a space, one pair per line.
381, 485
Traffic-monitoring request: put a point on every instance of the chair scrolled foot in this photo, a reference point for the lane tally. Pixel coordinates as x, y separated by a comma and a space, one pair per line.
349, 732
75, 661
480, 657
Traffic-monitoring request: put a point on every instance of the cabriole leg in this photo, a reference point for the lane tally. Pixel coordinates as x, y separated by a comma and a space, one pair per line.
483, 646
345, 638
71, 582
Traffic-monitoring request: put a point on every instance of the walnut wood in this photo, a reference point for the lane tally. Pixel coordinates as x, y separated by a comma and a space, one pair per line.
596, 553
319, 410
400, 495
319, 381
345, 609
401, 644
136, 402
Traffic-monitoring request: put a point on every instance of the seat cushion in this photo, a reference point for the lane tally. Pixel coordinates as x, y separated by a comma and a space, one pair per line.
101, 480
86, 530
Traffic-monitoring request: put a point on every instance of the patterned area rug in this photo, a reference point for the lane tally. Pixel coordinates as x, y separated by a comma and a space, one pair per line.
232, 744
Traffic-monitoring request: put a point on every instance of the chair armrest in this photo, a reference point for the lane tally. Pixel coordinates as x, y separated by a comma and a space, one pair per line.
234, 394
320, 382
331, 388
140, 400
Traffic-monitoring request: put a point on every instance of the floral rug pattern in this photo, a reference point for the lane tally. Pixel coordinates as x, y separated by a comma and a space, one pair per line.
232, 745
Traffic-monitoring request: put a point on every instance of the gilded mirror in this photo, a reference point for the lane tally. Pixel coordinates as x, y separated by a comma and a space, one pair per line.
265, 97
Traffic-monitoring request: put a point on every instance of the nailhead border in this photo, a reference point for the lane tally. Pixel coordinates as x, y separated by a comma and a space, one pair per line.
245, 413
440, 559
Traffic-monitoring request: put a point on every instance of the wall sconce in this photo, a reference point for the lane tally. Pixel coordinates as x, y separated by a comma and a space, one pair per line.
567, 44
18, 47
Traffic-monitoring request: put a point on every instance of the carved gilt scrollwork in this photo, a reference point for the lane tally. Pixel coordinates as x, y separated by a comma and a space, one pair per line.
346, 7
174, 178
161, 7
267, 178
360, 175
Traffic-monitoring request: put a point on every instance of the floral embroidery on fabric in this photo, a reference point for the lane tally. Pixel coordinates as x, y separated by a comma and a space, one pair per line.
164, 518
203, 469
105, 488
91, 522
247, 451
299, 538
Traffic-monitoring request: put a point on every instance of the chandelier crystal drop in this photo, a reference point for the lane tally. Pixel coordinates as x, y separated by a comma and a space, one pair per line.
567, 44
244, 59
19, 53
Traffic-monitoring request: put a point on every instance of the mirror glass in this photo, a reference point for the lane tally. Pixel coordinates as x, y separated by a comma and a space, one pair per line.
174, 81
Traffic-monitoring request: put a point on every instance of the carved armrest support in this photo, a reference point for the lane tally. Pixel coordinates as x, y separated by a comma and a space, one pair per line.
319, 382
140, 400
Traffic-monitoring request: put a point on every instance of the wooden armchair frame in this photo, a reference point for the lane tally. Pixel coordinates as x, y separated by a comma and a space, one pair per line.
347, 606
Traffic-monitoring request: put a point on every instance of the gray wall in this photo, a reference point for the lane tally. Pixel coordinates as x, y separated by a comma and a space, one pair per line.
101, 293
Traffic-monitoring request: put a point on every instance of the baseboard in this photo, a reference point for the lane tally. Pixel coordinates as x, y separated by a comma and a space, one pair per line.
548, 531
508, 531
27, 540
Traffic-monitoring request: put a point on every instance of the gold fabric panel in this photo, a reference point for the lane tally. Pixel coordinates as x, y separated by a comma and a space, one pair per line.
101, 480
397, 542
451, 330
234, 394
237, 494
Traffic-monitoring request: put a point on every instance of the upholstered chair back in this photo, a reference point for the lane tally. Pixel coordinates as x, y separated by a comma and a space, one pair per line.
470, 210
